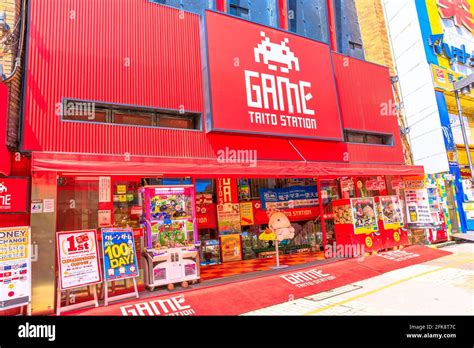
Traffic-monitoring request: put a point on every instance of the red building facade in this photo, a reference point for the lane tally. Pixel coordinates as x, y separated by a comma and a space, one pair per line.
171, 90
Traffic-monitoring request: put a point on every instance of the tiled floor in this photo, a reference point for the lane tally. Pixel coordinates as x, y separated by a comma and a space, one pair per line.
245, 266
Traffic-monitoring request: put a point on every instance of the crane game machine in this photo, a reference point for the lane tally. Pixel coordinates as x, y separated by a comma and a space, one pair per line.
171, 255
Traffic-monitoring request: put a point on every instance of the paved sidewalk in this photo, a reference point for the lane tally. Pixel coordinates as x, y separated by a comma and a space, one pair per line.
443, 286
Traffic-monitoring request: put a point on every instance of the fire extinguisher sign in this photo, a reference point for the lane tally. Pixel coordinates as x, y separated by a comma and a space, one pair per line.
78, 258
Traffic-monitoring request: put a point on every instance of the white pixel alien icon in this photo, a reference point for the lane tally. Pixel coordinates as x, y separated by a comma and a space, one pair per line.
3, 188
275, 55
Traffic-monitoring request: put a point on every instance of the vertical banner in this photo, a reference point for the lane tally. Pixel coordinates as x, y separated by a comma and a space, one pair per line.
104, 189
228, 209
78, 259
120, 258
15, 267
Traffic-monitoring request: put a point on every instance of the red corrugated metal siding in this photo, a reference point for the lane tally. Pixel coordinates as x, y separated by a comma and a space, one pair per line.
77, 49
366, 104
82, 52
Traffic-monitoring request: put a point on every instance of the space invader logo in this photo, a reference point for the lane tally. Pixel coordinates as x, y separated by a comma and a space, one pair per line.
276, 55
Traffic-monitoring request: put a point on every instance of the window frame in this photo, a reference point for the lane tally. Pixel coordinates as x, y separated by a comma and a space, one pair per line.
388, 139
113, 108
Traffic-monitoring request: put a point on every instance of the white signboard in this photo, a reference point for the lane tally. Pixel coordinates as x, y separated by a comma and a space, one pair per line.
104, 189
15, 267
418, 208
78, 259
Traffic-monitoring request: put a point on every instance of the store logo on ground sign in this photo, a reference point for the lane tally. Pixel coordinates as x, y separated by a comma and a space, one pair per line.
267, 81
307, 278
453, 53
173, 306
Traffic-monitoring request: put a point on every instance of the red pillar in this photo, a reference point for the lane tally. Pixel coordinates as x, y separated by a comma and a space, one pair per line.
221, 5
332, 25
321, 213
283, 14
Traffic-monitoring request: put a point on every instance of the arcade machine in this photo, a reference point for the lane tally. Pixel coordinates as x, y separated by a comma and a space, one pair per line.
171, 256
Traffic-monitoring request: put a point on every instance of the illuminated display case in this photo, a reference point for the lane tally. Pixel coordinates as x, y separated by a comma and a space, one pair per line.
210, 252
169, 218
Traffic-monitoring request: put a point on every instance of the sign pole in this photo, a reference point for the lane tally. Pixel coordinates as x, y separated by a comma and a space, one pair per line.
277, 254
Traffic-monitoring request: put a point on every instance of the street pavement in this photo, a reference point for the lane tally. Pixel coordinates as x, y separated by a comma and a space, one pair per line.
444, 286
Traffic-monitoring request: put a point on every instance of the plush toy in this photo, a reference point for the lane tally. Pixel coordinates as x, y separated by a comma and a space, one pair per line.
281, 226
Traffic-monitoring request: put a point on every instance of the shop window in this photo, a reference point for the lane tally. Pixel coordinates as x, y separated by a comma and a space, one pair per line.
262, 11
73, 110
196, 6
78, 201
368, 138
308, 18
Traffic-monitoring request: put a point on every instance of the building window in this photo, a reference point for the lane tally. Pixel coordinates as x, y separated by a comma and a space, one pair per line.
79, 111
308, 18
196, 6
368, 138
260, 11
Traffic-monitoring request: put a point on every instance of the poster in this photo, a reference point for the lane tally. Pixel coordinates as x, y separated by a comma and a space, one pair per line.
119, 255
291, 197
104, 217
375, 185
36, 206
418, 208
391, 212
228, 218
48, 205
364, 215
246, 214
78, 259
104, 189
15, 267
231, 247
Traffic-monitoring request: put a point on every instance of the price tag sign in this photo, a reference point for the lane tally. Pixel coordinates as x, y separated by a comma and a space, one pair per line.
120, 258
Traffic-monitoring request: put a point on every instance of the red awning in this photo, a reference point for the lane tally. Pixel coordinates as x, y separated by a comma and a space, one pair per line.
157, 166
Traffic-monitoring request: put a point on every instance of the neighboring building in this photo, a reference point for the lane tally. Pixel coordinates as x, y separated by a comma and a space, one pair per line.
377, 50
433, 46
165, 91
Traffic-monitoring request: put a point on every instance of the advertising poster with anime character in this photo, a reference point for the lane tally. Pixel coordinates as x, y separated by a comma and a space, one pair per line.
391, 212
364, 215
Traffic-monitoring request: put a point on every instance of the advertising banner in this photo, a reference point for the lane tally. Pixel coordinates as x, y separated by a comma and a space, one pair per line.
13, 195
260, 216
15, 267
375, 185
391, 212
78, 258
278, 88
231, 247
206, 216
288, 198
246, 213
227, 190
228, 217
364, 215
119, 255
418, 208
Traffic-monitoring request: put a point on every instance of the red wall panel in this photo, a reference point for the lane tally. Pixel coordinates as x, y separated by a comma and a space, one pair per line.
139, 53
4, 153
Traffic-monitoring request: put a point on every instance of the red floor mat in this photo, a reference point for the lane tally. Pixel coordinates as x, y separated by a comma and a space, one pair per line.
244, 296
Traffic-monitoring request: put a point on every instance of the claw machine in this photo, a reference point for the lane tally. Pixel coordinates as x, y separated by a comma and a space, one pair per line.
171, 255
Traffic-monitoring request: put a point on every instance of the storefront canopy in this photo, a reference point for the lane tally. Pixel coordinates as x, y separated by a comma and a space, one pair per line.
157, 166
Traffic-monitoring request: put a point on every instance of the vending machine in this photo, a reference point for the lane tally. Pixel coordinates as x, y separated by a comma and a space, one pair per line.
171, 255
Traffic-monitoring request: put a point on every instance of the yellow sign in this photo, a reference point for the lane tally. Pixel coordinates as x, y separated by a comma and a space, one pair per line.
396, 236
14, 243
246, 214
121, 189
122, 198
443, 78
368, 242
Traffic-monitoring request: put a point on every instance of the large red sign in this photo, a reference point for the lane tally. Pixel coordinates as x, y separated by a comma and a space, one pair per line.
267, 81
13, 195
